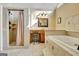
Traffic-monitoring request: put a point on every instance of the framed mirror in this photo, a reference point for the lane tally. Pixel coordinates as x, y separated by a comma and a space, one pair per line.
42, 22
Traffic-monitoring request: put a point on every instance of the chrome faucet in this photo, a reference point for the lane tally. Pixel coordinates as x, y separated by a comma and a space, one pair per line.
77, 46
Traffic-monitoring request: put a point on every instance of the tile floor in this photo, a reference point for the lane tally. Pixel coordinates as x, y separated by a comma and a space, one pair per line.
32, 50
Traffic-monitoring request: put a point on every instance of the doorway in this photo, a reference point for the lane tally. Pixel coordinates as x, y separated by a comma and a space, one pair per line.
16, 27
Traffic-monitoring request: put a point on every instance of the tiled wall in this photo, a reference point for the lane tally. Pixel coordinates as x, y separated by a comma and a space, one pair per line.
73, 34
55, 32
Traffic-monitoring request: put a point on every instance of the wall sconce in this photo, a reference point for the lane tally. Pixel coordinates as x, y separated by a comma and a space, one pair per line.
59, 20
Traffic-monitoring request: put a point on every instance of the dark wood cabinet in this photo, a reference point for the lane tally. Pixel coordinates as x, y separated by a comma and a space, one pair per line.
41, 34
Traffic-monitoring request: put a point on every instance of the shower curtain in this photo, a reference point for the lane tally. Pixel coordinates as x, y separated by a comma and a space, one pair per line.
20, 38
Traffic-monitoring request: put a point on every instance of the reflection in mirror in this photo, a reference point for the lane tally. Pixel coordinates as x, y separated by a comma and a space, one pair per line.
15, 27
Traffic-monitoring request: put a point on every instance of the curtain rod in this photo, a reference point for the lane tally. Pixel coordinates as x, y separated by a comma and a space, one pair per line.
16, 9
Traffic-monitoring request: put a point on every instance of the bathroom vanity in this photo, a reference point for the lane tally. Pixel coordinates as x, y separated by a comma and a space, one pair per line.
37, 36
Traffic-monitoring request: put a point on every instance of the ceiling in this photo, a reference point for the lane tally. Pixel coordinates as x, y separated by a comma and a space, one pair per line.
44, 6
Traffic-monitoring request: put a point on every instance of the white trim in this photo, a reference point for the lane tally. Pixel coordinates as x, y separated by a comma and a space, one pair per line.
59, 5
1, 28
7, 29
29, 18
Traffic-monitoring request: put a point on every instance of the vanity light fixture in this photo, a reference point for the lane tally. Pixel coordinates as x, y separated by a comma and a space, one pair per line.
43, 14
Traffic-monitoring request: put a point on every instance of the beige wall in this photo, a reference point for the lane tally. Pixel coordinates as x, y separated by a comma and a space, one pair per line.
52, 21
69, 14
73, 34
66, 11
55, 32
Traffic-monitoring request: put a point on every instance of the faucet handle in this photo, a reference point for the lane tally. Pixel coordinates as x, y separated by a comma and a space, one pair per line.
76, 44
78, 47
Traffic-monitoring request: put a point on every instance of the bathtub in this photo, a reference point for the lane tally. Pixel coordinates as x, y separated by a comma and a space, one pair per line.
66, 42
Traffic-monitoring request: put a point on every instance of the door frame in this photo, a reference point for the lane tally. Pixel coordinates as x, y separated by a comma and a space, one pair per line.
15, 9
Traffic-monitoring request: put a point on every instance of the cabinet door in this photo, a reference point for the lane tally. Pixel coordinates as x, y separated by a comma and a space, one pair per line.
56, 49
42, 36
31, 35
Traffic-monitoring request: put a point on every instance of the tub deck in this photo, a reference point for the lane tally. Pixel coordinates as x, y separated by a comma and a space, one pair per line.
66, 42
